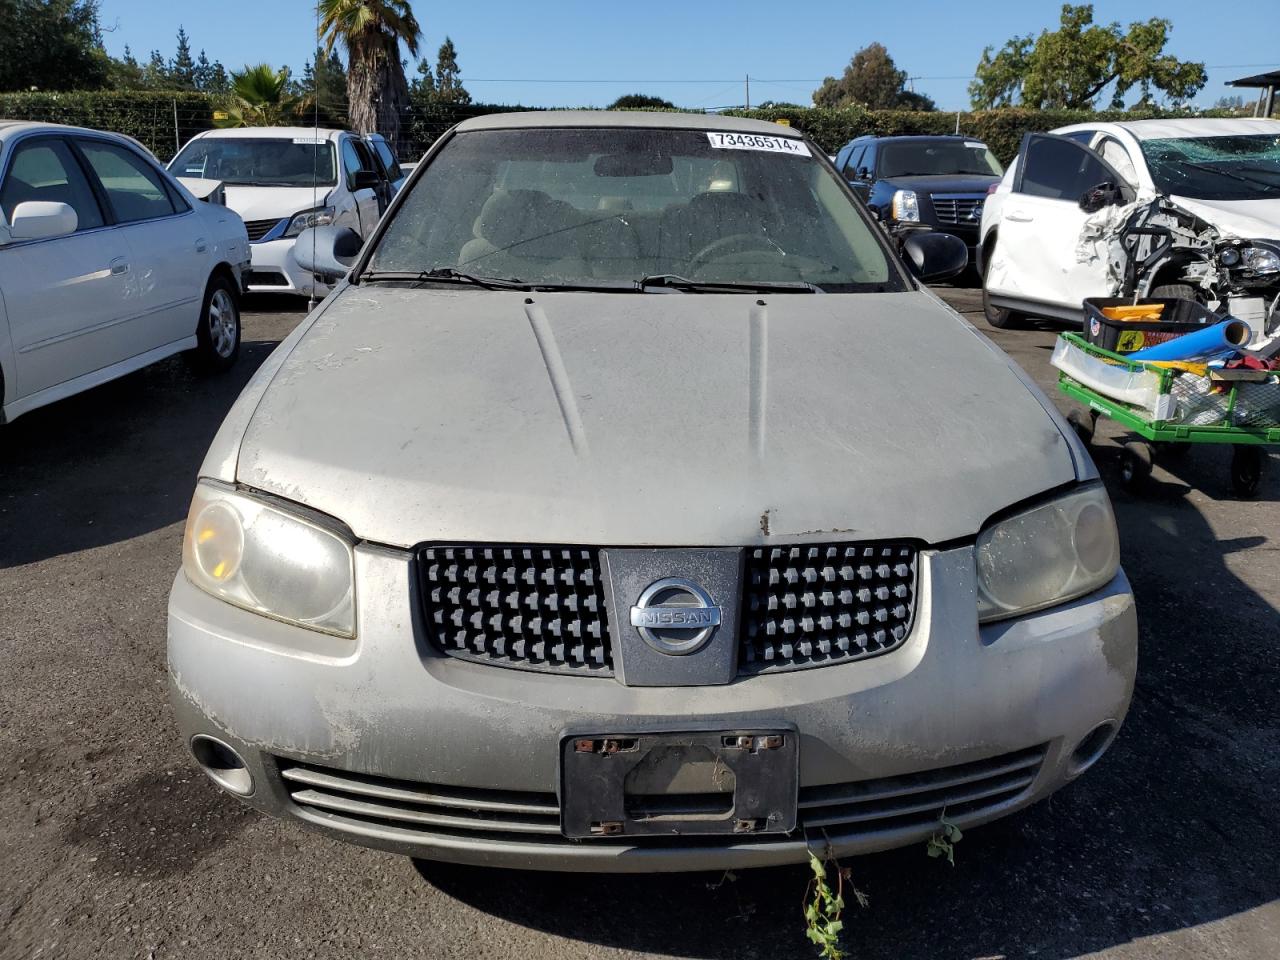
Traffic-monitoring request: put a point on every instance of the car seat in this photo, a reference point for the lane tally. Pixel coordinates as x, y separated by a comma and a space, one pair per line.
526, 235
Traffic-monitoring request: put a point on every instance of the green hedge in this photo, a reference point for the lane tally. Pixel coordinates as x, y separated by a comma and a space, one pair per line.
147, 116
150, 117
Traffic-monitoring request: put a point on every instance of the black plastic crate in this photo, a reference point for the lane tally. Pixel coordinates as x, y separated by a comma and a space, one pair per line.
1126, 336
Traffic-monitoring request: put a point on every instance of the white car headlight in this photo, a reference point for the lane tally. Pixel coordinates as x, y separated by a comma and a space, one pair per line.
1047, 555
319, 217
266, 558
1261, 260
906, 207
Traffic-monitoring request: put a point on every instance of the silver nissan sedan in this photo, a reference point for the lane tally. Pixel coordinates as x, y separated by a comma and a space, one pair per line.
629, 506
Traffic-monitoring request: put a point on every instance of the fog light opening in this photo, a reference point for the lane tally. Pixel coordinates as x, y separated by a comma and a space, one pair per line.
224, 766
1090, 750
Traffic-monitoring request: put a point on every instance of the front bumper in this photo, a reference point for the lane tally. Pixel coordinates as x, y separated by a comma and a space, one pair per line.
384, 742
274, 270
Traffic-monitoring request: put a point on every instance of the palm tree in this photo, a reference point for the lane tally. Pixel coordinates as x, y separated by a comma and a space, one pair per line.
260, 98
372, 31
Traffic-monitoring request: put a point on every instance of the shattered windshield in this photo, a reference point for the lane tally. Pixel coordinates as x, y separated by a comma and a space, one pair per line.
608, 207
275, 162
937, 158
1216, 168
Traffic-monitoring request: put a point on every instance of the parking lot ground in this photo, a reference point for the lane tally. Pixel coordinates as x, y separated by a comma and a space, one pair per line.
112, 845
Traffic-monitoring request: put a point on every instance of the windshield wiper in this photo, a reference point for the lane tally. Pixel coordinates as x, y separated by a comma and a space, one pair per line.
1227, 173
447, 275
676, 282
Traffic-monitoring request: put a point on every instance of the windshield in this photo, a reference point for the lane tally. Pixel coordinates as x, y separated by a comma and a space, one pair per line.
607, 207
263, 162
1216, 168
937, 158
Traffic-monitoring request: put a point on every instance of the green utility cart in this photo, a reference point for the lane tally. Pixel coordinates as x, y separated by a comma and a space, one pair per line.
1244, 413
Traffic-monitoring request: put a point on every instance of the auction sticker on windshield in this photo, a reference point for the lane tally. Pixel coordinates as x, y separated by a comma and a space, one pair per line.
757, 141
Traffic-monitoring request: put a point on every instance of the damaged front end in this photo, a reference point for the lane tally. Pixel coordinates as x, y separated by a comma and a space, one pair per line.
1152, 246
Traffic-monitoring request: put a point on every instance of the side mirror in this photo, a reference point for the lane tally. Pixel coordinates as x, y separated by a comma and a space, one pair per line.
864, 173
934, 256
327, 252
41, 219
365, 180
1101, 195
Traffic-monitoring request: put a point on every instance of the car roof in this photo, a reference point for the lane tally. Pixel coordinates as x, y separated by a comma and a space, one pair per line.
1184, 127
271, 133
625, 118
14, 127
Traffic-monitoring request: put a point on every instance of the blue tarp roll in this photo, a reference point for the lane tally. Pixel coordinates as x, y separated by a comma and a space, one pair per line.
1213, 341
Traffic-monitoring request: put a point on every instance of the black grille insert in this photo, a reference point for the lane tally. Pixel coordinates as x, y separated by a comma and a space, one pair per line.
257, 229
811, 605
534, 607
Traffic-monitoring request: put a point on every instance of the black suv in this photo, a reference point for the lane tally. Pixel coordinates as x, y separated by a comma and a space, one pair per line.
922, 183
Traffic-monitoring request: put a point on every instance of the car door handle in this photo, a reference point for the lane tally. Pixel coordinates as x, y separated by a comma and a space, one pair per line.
202, 245
118, 266
1018, 216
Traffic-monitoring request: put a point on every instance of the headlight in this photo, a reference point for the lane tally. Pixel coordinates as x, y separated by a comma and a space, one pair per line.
906, 207
319, 217
1261, 260
1049, 554
265, 558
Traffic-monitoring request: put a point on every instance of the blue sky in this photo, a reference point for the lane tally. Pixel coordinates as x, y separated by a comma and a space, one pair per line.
694, 54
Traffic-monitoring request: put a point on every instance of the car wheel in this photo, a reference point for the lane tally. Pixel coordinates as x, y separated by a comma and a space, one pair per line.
218, 335
999, 317
1174, 291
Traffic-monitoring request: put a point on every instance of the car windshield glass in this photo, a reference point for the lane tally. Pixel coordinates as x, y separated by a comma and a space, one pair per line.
608, 207
1216, 168
277, 162
926, 158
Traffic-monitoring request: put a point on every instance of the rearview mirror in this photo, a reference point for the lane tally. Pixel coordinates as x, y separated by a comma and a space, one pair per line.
327, 252
1101, 195
41, 219
633, 165
934, 256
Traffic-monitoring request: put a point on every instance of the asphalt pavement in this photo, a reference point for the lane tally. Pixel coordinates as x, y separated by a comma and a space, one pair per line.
113, 845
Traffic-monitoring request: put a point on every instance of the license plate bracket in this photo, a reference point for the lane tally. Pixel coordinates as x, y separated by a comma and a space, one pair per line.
738, 782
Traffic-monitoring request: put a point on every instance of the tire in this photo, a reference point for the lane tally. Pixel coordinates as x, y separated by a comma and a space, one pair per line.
1083, 424
1175, 291
1246, 470
1135, 466
218, 334
999, 317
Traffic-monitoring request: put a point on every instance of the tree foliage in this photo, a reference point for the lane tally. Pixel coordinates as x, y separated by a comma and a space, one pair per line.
51, 45
640, 101
261, 97
371, 32
1069, 68
448, 86
871, 80
324, 79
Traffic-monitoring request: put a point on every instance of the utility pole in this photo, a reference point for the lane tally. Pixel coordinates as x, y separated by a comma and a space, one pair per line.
748, 91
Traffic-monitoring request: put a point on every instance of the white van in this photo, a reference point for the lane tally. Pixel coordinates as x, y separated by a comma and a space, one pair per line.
282, 180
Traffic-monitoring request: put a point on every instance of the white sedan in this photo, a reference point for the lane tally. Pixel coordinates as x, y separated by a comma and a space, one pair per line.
107, 264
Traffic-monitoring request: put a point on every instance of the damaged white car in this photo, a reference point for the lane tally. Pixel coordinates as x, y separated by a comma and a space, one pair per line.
1173, 208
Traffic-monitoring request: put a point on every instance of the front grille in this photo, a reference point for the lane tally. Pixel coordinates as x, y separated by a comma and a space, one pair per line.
958, 209
532, 607
813, 605
422, 811
257, 229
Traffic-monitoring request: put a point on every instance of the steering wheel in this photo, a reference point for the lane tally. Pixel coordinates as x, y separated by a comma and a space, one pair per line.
734, 243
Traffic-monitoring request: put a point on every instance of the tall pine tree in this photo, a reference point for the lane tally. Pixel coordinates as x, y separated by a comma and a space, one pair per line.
449, 88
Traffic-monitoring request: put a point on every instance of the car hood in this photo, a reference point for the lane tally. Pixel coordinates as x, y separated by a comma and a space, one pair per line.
1239, 219
273, 203
953, 183
665, 419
